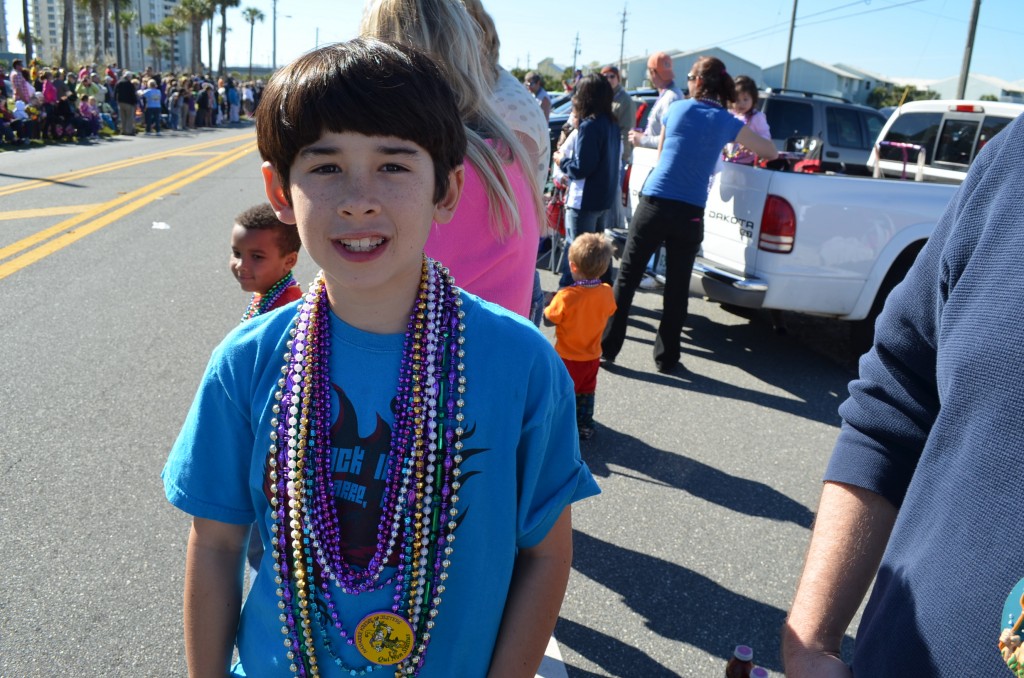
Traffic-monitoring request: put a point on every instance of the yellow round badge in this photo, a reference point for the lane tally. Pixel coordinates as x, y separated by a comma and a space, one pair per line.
384, 638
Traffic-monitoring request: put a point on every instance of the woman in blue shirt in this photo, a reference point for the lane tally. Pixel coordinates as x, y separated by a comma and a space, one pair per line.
592, 165
671, 206
152, 106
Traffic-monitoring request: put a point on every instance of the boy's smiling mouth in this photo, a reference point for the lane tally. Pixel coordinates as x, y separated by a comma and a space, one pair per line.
361, 244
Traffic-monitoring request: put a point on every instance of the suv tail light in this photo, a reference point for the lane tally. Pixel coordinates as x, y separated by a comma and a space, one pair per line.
778, 226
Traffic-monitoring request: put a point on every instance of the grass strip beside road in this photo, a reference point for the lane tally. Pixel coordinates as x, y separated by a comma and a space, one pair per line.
57, 179
125, 205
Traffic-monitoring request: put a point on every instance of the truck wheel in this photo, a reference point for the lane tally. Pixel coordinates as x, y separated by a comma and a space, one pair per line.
862, 332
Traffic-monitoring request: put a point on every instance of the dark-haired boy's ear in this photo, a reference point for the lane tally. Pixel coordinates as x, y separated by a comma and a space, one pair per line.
276, 194
291, 259
445, 209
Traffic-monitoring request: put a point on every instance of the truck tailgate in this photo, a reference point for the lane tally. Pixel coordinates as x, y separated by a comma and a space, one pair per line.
733, 214
732, 220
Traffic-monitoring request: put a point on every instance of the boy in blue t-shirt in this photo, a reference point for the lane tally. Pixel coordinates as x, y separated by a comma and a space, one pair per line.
407, 451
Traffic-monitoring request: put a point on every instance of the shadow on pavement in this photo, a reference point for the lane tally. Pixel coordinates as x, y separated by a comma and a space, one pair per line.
817, 386
611, 654
44, 179
677, 603
742, 495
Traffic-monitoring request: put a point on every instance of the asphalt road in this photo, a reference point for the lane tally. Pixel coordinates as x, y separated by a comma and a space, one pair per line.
709, 477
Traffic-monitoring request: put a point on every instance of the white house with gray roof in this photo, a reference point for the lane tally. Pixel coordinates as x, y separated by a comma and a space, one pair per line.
813, 76
682, 62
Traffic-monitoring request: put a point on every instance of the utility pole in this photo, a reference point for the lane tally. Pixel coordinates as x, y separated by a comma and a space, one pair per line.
968, 51
273, 57
789, 48
117, 31
622, 41
575, 52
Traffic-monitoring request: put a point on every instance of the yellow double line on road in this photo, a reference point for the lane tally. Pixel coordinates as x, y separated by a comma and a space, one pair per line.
90, 221
119, 164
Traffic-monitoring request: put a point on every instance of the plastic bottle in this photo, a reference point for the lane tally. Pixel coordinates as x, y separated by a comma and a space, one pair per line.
741, 664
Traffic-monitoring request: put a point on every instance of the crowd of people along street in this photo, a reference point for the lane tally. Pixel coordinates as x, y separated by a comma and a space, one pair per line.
51, 104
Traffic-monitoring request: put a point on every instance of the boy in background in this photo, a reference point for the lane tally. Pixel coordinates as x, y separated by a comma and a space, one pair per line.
399, 442
264, 250
579, 313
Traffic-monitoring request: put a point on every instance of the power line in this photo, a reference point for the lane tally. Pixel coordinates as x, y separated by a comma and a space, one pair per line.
771, 29
775, 29
963, 22
867, 11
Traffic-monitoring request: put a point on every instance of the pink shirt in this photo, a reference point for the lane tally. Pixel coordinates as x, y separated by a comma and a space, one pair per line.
500, 272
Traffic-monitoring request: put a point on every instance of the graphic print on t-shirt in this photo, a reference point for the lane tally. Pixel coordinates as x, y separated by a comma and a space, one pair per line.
359, 469
358, 474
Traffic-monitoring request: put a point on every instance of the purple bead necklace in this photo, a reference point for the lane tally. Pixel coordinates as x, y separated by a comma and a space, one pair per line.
419, 513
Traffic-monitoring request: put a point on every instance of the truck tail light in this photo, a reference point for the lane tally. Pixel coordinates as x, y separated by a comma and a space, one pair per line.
966, 108
778, 226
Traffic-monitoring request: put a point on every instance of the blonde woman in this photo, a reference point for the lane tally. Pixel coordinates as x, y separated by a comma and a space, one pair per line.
491, 244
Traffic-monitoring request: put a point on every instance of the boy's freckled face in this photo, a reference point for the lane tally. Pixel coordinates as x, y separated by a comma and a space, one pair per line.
256, 259
364, 207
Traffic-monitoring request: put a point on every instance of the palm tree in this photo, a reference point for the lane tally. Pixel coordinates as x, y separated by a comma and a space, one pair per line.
153, 33
223, 6
95, 8
67, 34
28, 40
209, 33
194, 13
105, 8
127, 17
252, 15
171, 27
25, 35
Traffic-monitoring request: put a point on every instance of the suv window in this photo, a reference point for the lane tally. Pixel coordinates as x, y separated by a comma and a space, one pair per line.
989, 128
874, 123
913, 128
844, 130
790, 119
956, 141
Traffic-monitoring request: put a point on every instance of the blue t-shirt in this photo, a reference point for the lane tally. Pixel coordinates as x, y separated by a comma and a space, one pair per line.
695, 133
152, 97
521, 468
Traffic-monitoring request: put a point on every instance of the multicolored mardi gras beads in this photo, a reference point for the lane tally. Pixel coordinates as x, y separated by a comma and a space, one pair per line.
261, 303
419, 508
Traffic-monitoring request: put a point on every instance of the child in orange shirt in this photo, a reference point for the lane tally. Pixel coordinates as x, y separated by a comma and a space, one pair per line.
264, 250
579, 313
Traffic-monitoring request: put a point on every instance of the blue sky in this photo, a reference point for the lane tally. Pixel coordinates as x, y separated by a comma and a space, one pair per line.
899, 38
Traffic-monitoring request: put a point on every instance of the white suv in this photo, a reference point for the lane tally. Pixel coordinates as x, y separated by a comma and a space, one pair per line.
949, 132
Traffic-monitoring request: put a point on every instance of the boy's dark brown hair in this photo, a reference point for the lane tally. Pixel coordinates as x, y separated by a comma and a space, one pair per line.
262, 218
367, 87
591, 254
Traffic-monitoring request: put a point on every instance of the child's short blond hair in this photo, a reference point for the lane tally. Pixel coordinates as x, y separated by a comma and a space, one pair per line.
591, 254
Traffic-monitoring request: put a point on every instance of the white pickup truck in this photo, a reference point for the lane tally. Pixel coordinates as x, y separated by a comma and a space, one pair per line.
811, 243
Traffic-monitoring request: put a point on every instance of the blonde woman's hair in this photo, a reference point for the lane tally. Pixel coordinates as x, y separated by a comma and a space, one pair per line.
490, 45
446, 31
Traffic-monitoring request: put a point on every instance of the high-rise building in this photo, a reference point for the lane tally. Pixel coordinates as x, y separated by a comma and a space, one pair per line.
4, 47
47, 18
